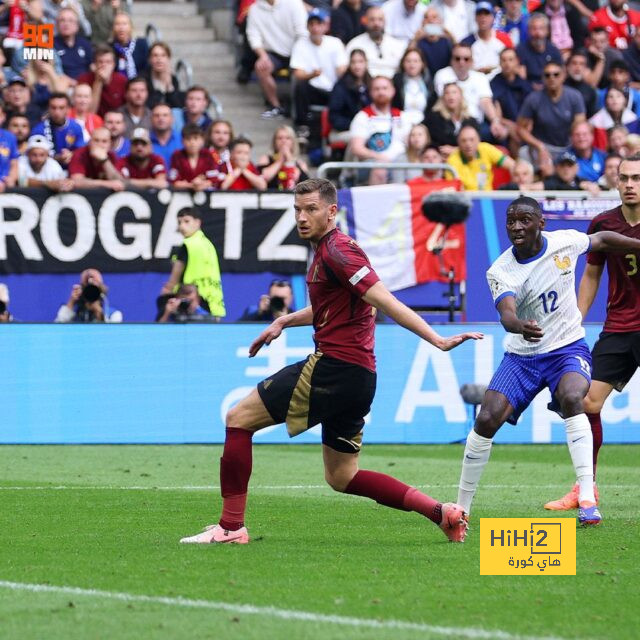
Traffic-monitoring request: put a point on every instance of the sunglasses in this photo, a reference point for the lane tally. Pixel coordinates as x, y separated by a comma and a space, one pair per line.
552, 74
462, 58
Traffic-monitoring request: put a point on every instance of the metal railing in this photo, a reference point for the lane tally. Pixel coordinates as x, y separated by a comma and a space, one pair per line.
184, 73
325, 167
152, 33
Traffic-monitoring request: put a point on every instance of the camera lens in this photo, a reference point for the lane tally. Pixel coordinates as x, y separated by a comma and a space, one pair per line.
91, 293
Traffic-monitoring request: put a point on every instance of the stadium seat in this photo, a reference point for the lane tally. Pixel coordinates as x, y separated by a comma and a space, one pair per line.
330, 149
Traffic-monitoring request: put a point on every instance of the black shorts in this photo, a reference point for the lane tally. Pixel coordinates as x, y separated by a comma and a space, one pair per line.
321, 390
616, 357
279, 62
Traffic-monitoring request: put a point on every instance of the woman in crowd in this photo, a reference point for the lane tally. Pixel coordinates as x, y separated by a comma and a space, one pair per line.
413, 85
162, 84
614, 112
132, 54
81, 112
350, 94
43, 80
616, 139
416, 142
217, 139
283, 168
447, 117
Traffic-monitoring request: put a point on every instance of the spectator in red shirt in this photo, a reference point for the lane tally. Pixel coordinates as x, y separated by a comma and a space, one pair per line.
620, 22
244, 175
193, 167
81, 110
142, 168
107, 86
95, 165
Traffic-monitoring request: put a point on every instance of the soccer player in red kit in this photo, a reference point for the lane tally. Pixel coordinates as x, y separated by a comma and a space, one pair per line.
616, 354
335, 385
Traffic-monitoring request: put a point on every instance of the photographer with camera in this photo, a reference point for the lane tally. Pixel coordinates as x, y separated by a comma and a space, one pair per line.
88, 301
183, 306
278, 302
5, 316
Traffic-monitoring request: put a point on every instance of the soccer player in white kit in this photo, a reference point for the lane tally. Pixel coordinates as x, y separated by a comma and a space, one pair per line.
533, 287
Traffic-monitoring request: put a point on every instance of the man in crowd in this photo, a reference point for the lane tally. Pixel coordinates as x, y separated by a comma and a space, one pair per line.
382, 50
403, 18
620, 22
88, 301
196, 103
164, 138
577, 70
347, 20
458, 17
183, 306
96, 165
590, 160
609, 179
114, 122
63, 133
278, 302
273, 26
37, 169
513, 21
537, 50
107, 85
74, 50
143, 169
631, 56
21, 129
566, 177
18, 101
135, 111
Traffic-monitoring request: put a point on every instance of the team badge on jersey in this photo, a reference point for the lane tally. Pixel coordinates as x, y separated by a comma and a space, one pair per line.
563, 264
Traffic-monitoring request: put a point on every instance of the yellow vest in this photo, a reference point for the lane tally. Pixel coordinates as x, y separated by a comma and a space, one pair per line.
203, 270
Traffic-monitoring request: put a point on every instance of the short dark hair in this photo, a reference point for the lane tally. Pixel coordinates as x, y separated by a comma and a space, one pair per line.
58, 95
160, 104
239, 140
620, 65
325, 189
198, 87
13, 116
136, 80
163, 45
103, 50
510, 49
190, 211
632, 158
191, 130
525, 201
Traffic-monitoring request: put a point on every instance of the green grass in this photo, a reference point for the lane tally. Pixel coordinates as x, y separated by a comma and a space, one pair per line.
116, 523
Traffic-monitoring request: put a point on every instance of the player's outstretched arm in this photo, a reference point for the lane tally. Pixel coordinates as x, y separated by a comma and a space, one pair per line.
529, 329
612, 242
588, 288
300, 318
381, 298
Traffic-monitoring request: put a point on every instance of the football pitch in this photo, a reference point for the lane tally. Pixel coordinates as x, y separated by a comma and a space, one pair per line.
89, 548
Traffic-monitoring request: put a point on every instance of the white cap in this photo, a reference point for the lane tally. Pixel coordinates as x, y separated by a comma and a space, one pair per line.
38, 142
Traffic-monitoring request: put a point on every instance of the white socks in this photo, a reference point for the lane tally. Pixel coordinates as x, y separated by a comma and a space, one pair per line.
580, 442
476, 456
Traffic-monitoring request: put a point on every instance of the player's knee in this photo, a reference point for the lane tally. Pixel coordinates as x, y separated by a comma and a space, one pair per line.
591, 405
572, 403
235, 418
337, 480
486, 423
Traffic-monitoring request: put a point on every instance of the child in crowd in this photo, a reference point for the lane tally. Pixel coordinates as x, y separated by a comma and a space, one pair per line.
244, 175
193, 167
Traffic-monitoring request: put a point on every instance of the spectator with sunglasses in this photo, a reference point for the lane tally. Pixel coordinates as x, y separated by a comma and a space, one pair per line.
278, 302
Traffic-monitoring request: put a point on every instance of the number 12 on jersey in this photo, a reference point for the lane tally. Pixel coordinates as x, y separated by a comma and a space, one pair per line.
549, 301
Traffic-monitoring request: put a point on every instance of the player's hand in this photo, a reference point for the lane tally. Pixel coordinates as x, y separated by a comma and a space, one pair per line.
453, 341
266, 337
531, 332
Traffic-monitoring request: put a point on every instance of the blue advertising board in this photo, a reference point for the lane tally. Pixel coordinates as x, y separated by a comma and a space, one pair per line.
174, 384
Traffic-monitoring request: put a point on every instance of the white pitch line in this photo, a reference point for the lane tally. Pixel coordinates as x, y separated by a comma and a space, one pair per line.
274, 612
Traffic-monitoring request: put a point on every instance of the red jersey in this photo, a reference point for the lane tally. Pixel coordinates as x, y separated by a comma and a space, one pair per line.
344, 324
112, 95
152, 169
623, 299
82, 163
620, 30
240, 183
181, 168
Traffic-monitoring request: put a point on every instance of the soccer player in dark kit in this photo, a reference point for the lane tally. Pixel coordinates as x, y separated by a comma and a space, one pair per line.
616, 354
335, 385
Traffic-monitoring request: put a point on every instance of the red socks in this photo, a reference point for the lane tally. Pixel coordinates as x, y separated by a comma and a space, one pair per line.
596, 430
235, 471
390, 492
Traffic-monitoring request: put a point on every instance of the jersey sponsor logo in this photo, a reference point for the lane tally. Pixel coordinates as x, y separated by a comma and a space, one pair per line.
358, 275
562, 263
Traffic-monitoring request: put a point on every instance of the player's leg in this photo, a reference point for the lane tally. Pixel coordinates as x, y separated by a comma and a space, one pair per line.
242, 421
494, 411
343, 474
598, 392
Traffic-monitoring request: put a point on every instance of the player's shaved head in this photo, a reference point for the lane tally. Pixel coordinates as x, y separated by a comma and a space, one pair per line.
525, 202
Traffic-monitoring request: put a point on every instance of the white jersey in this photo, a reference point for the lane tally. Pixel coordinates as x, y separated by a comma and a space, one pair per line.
544, 289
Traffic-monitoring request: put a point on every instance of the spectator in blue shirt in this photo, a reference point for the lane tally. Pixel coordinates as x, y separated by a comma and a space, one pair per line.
538, 50
513, 21
591, 161
164, 138
63, 133
8, 156
196, 103
74, 51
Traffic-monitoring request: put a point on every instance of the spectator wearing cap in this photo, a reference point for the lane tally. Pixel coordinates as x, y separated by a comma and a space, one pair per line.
512, 20
107, 86
614, 112
546, 117
132, 54
458, 17
347, 20
8, 156
382, 50
74, 50
577, 72
18, 101
474, 160
81, 111
537, 50
63, 133
114, 122
317, 63
403, 18
590, 160
619, 21
193, 167
273, 26
21, 129
37, 169
566, 178
142, 168
487, 43
164, 138
96, 165
135, 111
196, 103
619, 78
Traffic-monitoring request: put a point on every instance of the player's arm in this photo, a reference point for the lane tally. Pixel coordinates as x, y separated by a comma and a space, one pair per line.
529, 329
612, 242
301, 318
381, 298
176, 276
588, 287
